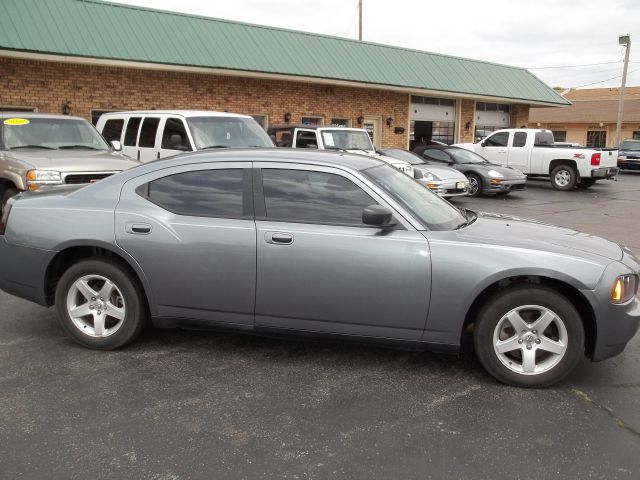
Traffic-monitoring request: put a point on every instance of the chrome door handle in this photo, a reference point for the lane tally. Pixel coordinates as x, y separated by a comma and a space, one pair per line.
138, 228
279, 238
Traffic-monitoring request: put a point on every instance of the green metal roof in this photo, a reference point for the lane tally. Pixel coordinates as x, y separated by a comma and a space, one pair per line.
97, 29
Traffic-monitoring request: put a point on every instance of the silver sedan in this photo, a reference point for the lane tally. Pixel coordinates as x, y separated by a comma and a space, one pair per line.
319, 244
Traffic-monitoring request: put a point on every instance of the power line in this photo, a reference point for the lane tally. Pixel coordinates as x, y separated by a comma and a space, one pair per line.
575, 66
602, 81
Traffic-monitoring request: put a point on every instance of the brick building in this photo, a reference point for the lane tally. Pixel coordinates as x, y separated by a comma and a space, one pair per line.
591, 119
88, 57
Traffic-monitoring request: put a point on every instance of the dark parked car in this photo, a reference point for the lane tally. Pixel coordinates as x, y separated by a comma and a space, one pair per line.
629, 155
484, 177
316, 243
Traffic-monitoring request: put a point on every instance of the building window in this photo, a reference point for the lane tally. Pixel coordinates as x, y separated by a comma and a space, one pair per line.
493, 107
636, 135
95, 115
445, 102
312, 120
343, 122
8, 108
263, 120
559, 135
483, 131
596, 139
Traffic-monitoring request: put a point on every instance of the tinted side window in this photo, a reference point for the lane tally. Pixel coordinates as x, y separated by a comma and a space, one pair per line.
497, 140
306, 139
148, 132
112, 129
203, 193
174, 127
131, 135
436, 155
520, 139
313, 197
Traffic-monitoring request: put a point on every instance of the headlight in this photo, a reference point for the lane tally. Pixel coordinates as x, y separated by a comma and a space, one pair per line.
493, 173
432, 177
35, 178
624, 288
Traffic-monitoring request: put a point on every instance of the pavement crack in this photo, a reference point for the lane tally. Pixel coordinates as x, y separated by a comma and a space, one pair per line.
617, 420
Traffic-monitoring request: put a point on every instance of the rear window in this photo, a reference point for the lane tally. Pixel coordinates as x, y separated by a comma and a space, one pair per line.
544, 138
148, 132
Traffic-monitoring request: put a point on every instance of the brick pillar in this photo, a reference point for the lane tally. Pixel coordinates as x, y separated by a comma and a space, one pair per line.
467, 116
519, 115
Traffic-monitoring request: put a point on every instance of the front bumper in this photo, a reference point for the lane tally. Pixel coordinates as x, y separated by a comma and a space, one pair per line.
447, 188
605, 172
629, 163
507, 185
615, 324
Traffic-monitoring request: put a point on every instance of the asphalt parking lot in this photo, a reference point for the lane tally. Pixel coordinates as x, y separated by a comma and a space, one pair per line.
182, 404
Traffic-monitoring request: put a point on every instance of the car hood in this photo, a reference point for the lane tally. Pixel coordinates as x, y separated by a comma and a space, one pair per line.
507, 231
74, 160
445, 173
630, 153
507, 172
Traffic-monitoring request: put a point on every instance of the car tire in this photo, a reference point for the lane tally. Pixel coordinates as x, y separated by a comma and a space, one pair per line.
475, 185
586, 183
516, 352
564, 177
8, 193
100, 304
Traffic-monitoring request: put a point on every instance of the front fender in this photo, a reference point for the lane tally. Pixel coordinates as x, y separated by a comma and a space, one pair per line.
460, 273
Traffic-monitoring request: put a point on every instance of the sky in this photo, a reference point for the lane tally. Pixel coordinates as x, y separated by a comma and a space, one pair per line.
568, 43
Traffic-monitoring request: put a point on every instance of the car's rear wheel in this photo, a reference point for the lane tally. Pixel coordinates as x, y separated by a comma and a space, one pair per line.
100, 305
587, 182
564, 177
475, 185
529, 336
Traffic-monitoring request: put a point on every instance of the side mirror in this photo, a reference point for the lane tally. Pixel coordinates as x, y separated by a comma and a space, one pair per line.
483, 144
378, 216
117, 146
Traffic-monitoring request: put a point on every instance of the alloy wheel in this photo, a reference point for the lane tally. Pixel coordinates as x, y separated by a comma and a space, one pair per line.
96, 306
530, 340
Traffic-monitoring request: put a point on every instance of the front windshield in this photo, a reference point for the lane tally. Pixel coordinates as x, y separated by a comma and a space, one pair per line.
465, 156
346, 140
630, 145
434, 212
399, 154
51, 133
221, 132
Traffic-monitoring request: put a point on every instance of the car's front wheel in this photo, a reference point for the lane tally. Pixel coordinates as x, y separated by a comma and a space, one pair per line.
529, 336
100, 305
475, 185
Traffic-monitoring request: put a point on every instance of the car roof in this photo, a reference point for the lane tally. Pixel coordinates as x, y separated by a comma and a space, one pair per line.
183, 113
312, 127
274, 155
5, 115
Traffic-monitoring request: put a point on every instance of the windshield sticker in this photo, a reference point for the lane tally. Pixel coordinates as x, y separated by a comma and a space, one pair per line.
16, 121
328, 139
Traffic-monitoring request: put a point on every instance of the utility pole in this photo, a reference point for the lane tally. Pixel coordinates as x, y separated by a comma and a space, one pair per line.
622, 40
360, 15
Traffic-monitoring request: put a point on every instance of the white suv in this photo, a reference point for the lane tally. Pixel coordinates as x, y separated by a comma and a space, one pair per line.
152, 134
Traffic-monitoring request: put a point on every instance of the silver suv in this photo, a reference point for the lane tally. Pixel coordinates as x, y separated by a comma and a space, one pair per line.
38, 150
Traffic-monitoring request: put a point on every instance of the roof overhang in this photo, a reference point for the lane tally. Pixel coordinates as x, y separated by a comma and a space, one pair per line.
47, 57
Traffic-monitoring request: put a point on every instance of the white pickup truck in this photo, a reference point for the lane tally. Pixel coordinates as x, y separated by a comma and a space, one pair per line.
533, 152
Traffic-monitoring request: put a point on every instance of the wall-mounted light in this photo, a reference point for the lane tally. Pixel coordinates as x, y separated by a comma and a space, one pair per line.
389, 121
287, 117
66, 108
467, 125
360, 120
